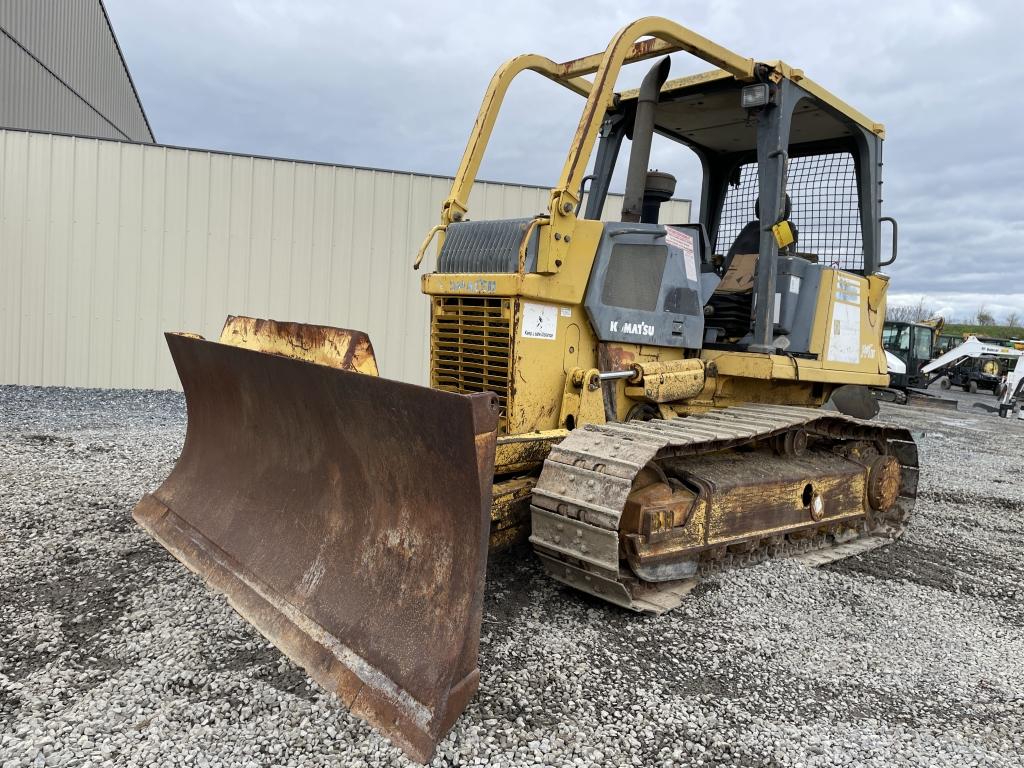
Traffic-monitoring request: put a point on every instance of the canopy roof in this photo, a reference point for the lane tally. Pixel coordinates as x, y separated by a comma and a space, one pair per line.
705, 110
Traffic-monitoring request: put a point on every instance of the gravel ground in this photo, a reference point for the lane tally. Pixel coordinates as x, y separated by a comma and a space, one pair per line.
113, 654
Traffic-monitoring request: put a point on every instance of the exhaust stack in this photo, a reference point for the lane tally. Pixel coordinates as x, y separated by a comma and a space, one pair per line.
643, 133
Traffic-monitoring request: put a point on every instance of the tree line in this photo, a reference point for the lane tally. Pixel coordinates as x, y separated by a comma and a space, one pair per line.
916, 313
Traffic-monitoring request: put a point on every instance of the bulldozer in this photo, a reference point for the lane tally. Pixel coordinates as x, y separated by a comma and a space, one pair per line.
644, 402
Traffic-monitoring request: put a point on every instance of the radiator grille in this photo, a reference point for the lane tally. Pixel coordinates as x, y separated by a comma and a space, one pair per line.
470, 346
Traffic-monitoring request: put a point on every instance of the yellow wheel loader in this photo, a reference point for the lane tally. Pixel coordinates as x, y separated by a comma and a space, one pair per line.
641, 399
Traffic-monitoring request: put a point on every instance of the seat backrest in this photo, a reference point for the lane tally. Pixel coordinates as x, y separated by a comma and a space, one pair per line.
747, 241
739, 275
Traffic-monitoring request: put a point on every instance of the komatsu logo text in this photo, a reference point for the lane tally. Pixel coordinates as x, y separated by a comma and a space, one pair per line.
640, 329
473, 286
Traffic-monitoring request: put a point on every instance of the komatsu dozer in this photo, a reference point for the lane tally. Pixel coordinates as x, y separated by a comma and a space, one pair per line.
641, 400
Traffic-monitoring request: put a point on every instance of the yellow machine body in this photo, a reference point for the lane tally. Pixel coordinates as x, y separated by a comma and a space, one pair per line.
543, 384
546, 386
530, 374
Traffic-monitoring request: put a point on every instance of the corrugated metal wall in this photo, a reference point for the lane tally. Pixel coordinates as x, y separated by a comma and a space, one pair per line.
104, 245
61, 70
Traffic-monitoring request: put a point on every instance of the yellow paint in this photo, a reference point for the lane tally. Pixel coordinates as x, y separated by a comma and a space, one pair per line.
544, 377
321, 344
783, 234
470, 345
668, 382
665, 37
455, 206
582, 399
540, 392
510, 511
522, 452
841, 294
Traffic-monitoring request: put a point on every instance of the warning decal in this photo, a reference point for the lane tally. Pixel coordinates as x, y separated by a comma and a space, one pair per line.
540, 321
677, 238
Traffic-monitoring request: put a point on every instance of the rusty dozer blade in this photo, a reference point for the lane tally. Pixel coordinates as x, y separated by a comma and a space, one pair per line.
344, 515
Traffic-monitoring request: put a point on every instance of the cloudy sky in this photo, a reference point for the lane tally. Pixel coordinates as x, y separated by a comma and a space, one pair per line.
397, 85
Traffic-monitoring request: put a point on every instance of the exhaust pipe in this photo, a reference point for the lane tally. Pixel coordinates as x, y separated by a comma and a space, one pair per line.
643, 132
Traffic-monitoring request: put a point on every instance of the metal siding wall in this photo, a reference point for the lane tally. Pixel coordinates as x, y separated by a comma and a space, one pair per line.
12, 217
33, 100
104, 245
74, 39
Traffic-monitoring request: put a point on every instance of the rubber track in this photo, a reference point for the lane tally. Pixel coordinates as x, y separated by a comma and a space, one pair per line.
586, 478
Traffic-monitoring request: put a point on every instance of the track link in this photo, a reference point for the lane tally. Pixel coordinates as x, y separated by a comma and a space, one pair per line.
582, 490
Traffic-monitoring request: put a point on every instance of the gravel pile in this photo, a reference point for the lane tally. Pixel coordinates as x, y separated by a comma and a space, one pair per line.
111, 653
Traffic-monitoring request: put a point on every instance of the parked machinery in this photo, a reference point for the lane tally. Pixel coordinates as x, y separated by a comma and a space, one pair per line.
1011, 393
913, 344
641, 398
977, 374
981, 363
909, 347
945, 342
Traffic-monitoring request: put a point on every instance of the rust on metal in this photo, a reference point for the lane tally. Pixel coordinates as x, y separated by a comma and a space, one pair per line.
612, 356
884, 480
345, 516
925, 400
640, 51
762, 494
667, 381
510, 511
733, 486
322, 344
525, 452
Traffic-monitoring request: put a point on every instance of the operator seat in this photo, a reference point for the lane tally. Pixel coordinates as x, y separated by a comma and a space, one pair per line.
749, 238
729, 308
747, 241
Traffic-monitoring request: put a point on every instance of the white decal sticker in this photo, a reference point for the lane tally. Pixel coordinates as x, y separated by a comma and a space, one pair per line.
844, 341
777, 309
794, 284
540, 321
684, 242
566, 312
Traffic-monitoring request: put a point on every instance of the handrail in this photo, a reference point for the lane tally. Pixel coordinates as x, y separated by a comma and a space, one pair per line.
625, 48
426, 244
669, 38
895, 240
455, 206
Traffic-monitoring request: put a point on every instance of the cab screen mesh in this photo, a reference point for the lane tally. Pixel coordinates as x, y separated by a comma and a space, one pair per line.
823, 193
633, 279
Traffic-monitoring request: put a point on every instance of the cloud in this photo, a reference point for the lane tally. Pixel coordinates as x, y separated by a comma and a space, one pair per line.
963, 306
397, 85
